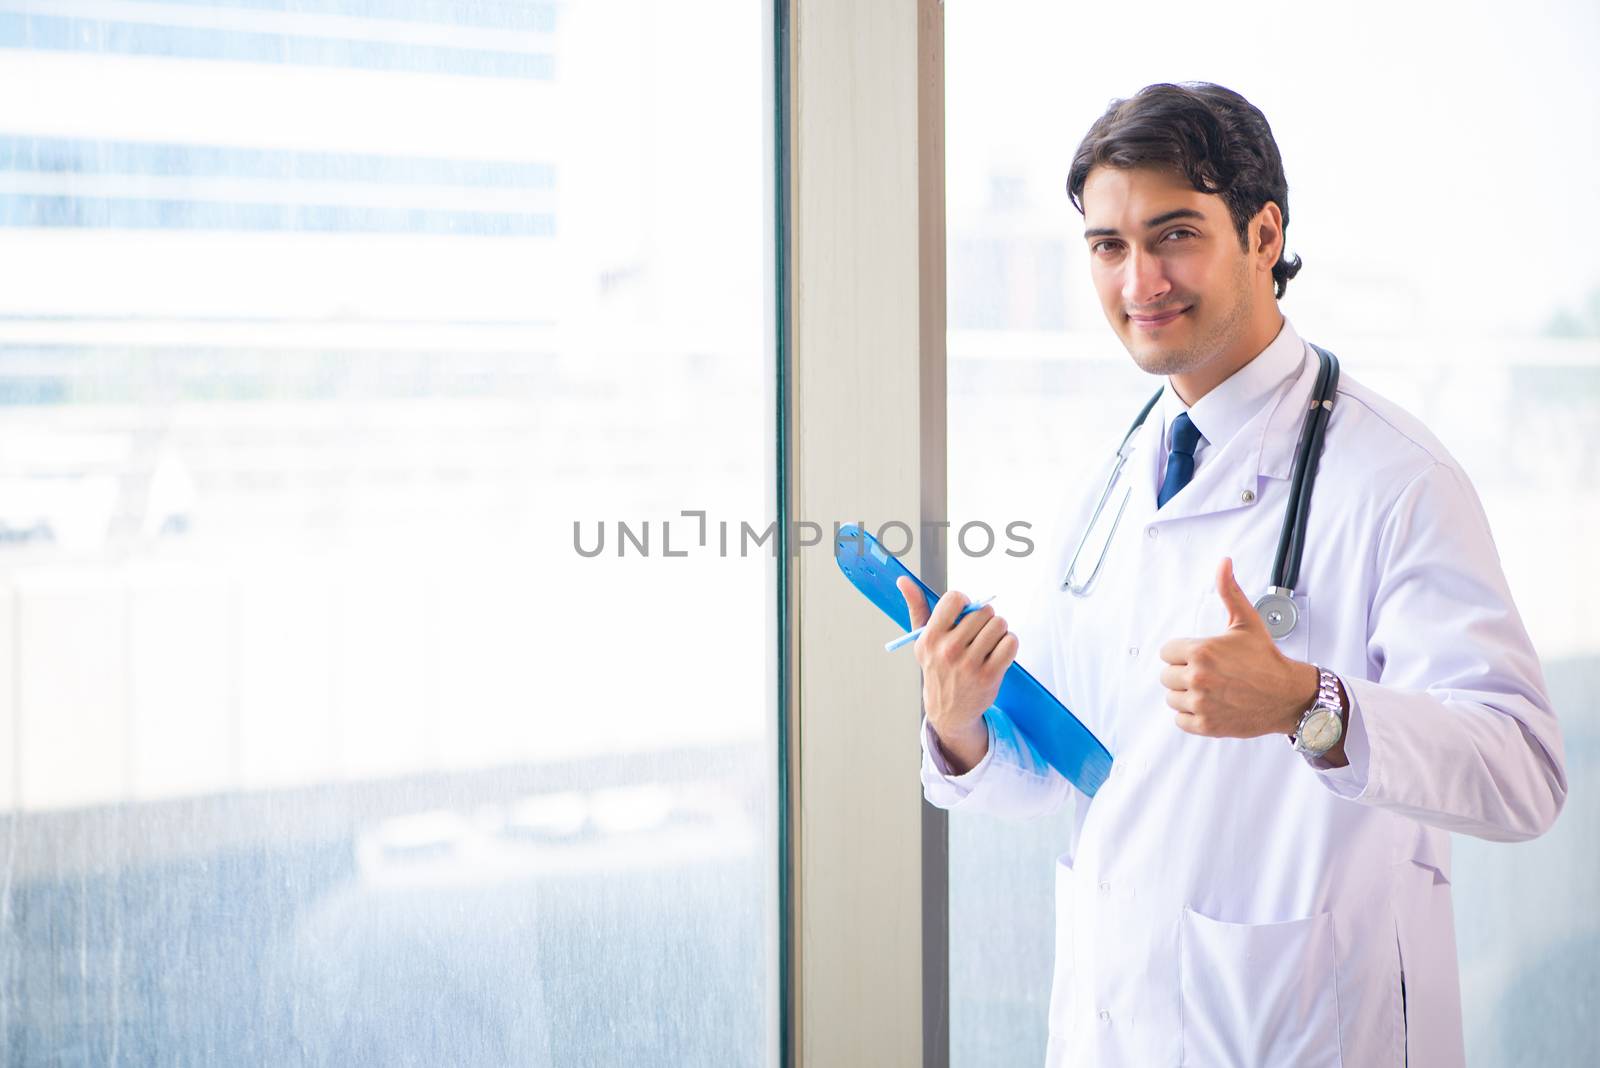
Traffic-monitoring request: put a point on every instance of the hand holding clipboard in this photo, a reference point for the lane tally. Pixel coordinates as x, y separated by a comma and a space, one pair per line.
964, 656
1059, 736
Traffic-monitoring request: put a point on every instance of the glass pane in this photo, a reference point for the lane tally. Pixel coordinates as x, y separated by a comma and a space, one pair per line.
1457, 298
326, 329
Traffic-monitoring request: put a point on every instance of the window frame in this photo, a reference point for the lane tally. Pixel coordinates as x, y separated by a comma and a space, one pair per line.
862, 413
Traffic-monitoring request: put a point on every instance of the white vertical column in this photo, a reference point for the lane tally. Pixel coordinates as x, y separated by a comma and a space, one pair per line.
179, 662
866, 348
71, 691
10, 734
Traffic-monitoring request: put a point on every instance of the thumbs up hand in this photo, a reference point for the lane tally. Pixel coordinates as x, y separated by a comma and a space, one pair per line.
1236, 684
1242, 614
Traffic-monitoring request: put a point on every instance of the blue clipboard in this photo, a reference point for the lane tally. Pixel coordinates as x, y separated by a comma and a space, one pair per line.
1058, 735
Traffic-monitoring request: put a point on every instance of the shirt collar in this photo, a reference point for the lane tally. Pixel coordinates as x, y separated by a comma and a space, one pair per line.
1263, 446
1224, 411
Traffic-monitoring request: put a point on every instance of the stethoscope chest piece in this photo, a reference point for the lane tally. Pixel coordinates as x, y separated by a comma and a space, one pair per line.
1278, 612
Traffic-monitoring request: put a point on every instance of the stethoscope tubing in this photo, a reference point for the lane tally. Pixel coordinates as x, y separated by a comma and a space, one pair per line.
1291, 539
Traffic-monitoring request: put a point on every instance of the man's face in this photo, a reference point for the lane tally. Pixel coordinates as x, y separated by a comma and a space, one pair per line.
1166, 262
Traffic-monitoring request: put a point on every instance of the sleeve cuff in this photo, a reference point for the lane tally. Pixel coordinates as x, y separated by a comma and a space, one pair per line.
969, 779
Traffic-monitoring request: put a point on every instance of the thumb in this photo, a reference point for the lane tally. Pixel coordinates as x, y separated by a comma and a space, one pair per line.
916, 603
1241, 612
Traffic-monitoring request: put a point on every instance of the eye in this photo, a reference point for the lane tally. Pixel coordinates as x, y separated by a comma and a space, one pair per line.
1182, 232
1102, 246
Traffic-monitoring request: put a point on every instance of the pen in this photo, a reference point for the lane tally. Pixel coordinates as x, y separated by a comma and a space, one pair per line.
911, 635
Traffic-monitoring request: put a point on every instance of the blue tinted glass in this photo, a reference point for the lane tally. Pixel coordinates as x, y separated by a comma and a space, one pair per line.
49, 32
321, 325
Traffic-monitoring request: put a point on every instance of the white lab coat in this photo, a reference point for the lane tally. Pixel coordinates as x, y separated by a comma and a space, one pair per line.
1230, 902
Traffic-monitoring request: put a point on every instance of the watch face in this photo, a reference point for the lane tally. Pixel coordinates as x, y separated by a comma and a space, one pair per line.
1321, 731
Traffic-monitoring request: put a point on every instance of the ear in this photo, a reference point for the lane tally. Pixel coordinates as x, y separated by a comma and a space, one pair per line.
1266, 236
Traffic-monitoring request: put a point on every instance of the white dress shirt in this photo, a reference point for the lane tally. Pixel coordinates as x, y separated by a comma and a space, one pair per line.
1228, 901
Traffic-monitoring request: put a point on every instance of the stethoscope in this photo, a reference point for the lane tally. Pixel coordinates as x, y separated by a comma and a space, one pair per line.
1276, 606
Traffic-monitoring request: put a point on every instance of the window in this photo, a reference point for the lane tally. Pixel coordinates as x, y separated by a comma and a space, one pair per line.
328, 332
1479, 315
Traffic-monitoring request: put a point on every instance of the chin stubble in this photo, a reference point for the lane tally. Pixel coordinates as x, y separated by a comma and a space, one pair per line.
1203, 349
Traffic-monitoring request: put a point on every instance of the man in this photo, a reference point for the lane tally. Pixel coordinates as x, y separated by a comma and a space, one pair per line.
1233, 899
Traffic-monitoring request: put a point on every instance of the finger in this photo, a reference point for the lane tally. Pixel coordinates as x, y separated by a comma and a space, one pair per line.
945, 612
1175, 677
916, 603
1181, 701
1241, 612
1178, 650
1005, 651
972, 623
1188, 724
986, 639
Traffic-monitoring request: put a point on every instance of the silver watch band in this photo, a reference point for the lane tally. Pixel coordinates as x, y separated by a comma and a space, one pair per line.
1327, 700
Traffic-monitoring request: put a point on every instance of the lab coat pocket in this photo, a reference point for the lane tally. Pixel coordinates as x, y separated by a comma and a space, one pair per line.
1062, 982
1258, 993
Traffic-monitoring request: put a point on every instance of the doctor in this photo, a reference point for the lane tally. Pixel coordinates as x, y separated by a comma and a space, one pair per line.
1264, 879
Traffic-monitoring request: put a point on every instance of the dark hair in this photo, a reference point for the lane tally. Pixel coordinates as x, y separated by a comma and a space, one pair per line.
1213, 136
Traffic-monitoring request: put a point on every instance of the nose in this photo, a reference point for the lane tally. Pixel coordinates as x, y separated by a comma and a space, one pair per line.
1144, 280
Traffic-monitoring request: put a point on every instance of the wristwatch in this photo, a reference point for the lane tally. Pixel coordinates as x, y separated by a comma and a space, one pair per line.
1322, 723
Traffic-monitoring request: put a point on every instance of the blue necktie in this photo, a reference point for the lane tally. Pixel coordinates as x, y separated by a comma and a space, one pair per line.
1180, 462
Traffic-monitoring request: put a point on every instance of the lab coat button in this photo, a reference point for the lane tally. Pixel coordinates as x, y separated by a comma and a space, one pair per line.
1247, 496
1105, 1017
1133, 650
1105, 889
1151, 531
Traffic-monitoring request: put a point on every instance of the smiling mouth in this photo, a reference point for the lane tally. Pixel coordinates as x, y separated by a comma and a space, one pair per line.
1151, 321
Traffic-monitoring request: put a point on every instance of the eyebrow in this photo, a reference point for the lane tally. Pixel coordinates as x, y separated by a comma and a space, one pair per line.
1149, 224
